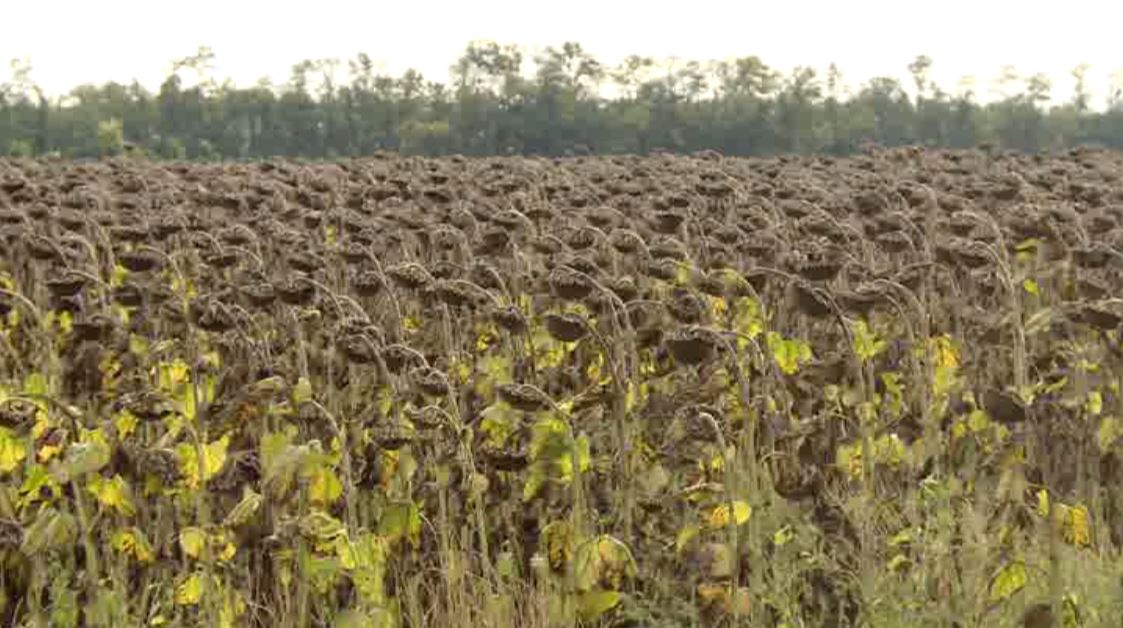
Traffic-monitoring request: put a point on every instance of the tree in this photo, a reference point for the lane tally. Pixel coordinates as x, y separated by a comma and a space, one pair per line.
110, 137
1080, 89
919, 70
493, 105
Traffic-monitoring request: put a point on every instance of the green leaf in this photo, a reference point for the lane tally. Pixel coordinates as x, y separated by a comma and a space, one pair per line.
688, 533
534, 483
401, 520
498, 422
593, 604
1011, 579
273, 446
495, 369
245, 509
321, 571
86, 457
1071, 617
1094, 404
321, 526
50, 530
789, 354
866, 342
748, 319
302, 392
35, 385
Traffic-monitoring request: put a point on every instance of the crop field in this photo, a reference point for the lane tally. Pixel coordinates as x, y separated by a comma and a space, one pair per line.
881, 390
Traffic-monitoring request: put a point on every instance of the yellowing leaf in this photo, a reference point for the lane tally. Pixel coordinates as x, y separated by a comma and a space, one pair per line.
783, 536
485, 335
594, 368
214, 458
716, 596
947, 356
1043, 502
1011, 579
12, 451
1030, 286
172, 375
710, 593
1079, 530
1108, 433
326, 488
131, 542
789, 354
125, 423
228, 552
899, 562
593, 604
37, 479
604, 562
720, 517
557, 538
113, 494
190, 591
385, 401
1094, 404
192, 541
683, 274
138, 345
42, 424
120, 273
978, 421
65, 322
719, 307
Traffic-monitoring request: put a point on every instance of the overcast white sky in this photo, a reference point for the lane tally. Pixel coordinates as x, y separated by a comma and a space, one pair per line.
75, 41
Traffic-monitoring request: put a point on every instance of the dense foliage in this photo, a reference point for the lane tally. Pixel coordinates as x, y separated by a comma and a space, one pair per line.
497, 103
666, 391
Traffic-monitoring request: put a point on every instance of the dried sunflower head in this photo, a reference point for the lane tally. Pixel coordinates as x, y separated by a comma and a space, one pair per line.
510, 318
566, 327
692, 345
399, 357
569, 283
410, 275
296, 291
524, 397
431, 381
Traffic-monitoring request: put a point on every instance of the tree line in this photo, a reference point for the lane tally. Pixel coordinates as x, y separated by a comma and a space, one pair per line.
563, 101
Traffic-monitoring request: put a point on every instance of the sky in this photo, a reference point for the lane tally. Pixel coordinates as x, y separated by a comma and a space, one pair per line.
69, 42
